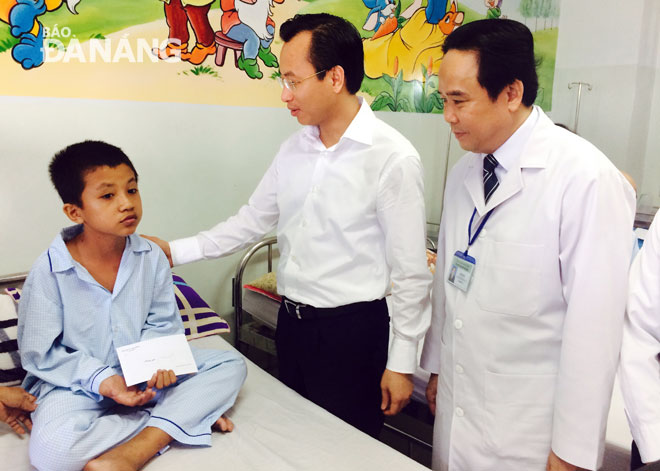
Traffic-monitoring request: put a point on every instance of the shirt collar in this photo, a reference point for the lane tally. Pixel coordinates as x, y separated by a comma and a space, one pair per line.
360, 130
509, 153
61, 259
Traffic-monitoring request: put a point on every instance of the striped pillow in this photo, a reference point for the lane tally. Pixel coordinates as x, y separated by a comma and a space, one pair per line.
199, 320
11, 373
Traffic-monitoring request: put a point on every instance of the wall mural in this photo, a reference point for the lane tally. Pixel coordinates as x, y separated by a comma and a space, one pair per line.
226, 51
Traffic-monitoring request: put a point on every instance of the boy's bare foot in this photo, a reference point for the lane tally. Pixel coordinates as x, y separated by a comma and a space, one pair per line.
133, 454
223, 424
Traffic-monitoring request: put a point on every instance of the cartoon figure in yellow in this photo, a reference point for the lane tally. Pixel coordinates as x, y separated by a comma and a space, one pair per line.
418, 42
21, 16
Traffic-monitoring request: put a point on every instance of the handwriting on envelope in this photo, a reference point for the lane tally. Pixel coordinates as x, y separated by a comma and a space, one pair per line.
139, 361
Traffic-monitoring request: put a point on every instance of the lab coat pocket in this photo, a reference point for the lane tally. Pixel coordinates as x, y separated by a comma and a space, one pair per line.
509, 278
518, 416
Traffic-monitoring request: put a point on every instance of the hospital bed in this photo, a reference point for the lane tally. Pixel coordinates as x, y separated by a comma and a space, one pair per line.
276, 430
256, 318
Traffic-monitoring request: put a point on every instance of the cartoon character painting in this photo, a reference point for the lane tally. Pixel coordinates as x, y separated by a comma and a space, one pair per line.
249, 22
494, 9
21, 16
418, 42
380, 12
178, 14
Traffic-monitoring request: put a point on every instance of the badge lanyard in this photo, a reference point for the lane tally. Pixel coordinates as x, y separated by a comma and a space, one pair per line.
476, 234
462, 267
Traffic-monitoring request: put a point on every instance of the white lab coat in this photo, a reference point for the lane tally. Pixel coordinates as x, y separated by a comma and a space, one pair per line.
639, 372
527, 357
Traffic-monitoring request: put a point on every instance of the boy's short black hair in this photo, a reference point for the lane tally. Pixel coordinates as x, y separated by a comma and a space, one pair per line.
505, 52
335, 41
68, 167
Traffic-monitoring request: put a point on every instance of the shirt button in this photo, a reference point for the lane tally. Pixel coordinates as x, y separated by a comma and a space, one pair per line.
294, 259
458, 324
303, 223
459, 412
459, 369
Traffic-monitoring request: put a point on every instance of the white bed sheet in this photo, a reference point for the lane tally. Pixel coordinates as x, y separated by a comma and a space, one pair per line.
276, 430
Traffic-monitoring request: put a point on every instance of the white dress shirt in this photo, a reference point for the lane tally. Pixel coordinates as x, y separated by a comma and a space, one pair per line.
639, 372
350, 226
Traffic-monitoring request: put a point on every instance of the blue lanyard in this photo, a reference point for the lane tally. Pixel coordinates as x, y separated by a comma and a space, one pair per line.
476, 234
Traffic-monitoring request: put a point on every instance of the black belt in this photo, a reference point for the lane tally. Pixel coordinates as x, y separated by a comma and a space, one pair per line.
305, 311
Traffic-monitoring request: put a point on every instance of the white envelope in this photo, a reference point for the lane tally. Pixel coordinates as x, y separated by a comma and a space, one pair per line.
139, 361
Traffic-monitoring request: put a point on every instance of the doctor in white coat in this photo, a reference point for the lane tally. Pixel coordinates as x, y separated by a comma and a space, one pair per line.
639, 372
525, 338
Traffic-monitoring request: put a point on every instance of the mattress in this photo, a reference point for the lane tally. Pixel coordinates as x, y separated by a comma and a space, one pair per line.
276, 429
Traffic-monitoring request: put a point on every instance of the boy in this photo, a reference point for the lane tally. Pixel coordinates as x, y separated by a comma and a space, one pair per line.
98, 287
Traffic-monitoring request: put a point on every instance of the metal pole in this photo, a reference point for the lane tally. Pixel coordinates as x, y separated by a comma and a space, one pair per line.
579, 99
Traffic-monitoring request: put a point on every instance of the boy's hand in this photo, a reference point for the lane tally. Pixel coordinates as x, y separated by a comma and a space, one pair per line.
162, 379
15, 405
164, 246
115, 388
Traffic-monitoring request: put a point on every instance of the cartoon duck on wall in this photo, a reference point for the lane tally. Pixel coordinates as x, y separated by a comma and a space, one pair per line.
418, 42
21, 16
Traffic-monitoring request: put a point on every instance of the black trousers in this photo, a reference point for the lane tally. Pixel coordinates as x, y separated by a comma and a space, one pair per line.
635, 459
337, 362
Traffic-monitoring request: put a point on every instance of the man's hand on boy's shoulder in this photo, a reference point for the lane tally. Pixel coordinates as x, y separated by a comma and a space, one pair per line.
115, 388
164, 246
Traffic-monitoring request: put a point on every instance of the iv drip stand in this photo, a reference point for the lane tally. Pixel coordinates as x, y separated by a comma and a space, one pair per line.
579, 98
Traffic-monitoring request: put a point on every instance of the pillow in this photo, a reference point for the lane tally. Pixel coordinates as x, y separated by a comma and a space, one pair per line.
266, 285
11, 373
199, 320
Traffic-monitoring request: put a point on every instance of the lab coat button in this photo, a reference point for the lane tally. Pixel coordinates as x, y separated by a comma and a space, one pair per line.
459, 412
459, 369
303, 223
458, 324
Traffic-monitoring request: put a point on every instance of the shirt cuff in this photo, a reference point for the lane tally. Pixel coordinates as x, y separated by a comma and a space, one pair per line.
99, 377
185, 251
403, 356
430, 363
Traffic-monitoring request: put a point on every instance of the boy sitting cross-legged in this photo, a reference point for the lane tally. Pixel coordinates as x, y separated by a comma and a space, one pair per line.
99, 286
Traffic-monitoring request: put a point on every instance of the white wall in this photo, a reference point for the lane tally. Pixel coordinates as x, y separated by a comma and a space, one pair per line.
197, 163
614, 46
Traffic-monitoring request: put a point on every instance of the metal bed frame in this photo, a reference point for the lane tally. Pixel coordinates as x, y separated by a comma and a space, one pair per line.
237, 282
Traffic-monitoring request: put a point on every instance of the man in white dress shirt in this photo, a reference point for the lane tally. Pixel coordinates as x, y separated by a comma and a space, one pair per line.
346, 195
524, 340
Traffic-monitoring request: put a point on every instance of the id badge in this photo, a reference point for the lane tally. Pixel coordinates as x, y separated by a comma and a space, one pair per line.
462, 268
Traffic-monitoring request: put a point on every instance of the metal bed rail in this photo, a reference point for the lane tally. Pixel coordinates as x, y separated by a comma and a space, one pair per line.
237, 281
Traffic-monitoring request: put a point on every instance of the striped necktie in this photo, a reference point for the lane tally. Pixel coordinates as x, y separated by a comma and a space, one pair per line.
490, 179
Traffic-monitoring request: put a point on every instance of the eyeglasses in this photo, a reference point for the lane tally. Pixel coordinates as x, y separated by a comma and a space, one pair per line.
291, 84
